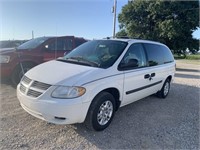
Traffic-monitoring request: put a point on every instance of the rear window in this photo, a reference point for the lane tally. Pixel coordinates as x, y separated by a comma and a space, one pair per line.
158, 54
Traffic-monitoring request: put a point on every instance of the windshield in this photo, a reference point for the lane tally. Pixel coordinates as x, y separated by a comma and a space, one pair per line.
97, 53
33, 43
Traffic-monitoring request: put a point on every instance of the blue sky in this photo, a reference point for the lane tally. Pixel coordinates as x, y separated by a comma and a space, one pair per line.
83, 18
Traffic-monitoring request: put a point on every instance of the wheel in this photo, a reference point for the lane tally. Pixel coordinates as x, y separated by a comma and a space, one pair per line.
165, 89
101, 112
18, 73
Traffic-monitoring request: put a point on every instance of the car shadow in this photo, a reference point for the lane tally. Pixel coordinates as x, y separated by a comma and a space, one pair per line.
152, 123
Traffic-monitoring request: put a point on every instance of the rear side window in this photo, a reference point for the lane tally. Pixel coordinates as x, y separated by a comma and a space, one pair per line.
79, 42
154, 54
158, 54
168, 57
61, 44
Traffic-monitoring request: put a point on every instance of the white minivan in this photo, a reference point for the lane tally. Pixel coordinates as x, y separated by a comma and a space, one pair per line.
91, 82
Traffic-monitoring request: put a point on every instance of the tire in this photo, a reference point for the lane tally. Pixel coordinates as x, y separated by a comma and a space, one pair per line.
165, 89
17, 74
101, 112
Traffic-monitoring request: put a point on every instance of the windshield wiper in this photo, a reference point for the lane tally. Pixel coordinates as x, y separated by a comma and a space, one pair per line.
84, 60
79, 60
61, 59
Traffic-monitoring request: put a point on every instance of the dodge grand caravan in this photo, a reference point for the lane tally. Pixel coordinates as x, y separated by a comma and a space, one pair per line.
14, 62
90, 83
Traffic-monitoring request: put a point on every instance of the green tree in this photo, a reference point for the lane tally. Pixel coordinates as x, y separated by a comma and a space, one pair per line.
170, 22
121, 33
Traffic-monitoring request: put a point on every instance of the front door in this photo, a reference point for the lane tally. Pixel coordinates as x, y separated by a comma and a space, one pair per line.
139, 80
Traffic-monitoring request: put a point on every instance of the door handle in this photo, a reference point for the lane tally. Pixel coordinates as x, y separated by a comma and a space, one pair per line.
153, 74
147, 76
151, 77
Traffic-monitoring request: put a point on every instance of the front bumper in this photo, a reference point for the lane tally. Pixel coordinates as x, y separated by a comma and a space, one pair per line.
57, 111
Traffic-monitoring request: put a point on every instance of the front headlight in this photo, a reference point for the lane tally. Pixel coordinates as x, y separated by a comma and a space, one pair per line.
4, 59
68, 92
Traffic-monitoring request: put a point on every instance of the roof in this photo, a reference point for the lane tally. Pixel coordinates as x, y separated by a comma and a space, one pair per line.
135, 40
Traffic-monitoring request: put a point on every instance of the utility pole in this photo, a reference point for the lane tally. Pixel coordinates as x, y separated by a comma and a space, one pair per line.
32, 34
114, 17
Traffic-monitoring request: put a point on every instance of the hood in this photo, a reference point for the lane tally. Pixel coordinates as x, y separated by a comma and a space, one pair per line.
7, 50
59, 73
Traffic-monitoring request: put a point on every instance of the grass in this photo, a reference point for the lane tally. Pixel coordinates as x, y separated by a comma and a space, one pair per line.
193, 57
190, 57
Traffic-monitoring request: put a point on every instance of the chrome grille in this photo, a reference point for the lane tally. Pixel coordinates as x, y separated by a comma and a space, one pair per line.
32, 88
33, 93
40, 85
22, 88
26, 80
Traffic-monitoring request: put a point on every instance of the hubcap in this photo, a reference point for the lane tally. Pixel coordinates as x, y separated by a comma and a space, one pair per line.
105, 112
166, 88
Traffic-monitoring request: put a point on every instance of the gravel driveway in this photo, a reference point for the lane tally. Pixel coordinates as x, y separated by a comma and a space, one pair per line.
151, 123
